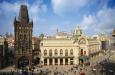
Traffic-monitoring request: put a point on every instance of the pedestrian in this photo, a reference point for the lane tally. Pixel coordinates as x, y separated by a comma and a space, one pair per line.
82, 73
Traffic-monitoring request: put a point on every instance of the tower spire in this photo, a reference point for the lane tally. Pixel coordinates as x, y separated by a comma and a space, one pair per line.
23, 15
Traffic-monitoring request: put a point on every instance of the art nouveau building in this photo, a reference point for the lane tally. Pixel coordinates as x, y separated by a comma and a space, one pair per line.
59, 52
69, 50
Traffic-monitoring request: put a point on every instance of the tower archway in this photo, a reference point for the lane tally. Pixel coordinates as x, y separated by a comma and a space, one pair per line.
23, 62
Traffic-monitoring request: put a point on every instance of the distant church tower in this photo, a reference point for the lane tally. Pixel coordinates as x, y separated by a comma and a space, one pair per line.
23, 39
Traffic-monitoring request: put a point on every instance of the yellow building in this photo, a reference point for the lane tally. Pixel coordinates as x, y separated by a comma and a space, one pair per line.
59, 52
69, 49
88, 48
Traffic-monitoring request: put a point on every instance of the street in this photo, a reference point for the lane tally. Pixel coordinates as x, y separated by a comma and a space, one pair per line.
100, 65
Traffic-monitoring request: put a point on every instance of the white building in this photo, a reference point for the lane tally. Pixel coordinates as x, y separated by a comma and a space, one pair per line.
65, 50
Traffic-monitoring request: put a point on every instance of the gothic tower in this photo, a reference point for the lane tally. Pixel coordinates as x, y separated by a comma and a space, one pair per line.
23, 39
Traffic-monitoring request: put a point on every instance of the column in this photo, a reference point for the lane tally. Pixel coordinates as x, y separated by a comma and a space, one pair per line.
58, 61
68, 61
63, 61
47, 61
53, 62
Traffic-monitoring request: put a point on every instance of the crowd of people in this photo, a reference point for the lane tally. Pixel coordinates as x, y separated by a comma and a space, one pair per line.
95, 67
61, 70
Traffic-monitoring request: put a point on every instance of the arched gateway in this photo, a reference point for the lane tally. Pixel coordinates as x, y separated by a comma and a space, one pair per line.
23, 62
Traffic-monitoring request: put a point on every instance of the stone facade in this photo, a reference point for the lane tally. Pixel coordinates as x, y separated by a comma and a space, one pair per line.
3, 52
69, 50
58, 52
23, 38
36, 49
112, 41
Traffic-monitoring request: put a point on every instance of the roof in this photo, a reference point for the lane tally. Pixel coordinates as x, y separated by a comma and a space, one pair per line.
57, 42
92, 41
61, 34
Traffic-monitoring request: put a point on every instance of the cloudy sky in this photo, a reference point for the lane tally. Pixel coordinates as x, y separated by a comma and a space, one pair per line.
93, 16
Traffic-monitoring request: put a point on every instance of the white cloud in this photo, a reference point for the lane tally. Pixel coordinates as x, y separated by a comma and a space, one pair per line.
44, 8
34, 10
103, 21
62, 6
88, 21
7, 13
106, 18
37, 7
7, 7
9, 10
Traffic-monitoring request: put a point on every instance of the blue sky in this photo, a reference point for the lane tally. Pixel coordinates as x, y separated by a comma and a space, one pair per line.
93, 16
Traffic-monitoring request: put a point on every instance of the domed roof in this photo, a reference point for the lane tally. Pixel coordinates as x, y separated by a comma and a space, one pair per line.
77, 31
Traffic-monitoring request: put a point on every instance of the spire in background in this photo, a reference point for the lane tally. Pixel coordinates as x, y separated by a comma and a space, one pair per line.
57, 30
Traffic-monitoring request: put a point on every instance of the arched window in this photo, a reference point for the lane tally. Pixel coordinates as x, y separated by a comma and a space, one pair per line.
45, 52
84, 52
82, 41
61, 52
56, 52
66, 52
50, 52
41, 44
71, 52
81, 51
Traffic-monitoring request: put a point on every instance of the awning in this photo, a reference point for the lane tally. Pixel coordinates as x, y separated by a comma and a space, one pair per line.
93, 54
84, 57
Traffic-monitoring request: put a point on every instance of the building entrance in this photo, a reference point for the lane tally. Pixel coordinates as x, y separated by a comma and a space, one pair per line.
50, 61
71, 61
23, 62
56, 61
45, 61
66, 61
81, 61
61, 61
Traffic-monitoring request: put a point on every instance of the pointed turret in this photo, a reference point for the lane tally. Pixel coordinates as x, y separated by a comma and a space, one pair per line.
23, 14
